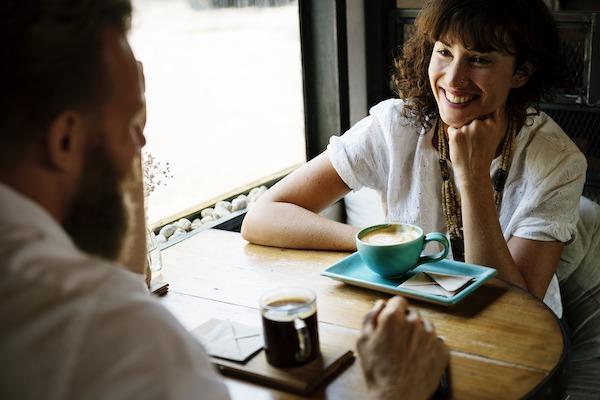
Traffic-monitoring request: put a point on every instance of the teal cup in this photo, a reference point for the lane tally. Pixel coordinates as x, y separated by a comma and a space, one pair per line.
393, 249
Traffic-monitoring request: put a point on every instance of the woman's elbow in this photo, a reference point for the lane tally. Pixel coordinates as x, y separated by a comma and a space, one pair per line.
251, 224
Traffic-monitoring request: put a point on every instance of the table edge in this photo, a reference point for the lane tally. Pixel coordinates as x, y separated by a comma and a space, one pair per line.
553, 378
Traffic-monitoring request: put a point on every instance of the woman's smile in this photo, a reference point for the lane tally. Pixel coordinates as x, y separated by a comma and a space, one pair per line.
457, 99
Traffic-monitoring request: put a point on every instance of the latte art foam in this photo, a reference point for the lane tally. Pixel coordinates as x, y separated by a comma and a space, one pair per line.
388, 236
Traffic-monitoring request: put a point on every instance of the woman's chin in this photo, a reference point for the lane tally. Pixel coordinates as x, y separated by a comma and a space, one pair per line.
457, 123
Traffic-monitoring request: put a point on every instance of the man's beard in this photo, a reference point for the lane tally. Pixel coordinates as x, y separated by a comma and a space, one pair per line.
98, 219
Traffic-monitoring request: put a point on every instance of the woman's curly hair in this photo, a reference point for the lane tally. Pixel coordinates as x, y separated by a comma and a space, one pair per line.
523, 28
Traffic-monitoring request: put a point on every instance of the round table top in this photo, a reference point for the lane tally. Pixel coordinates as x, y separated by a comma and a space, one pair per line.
504, 342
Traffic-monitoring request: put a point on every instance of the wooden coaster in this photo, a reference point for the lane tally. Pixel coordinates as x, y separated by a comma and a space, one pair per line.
300, 380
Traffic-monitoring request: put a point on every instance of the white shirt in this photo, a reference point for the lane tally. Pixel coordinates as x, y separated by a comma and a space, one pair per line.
395, 157
77, 327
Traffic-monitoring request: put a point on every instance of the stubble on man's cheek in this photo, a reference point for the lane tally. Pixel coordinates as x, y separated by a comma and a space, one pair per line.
97, 217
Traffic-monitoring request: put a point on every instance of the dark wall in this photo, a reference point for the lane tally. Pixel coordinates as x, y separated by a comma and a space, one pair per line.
580, 5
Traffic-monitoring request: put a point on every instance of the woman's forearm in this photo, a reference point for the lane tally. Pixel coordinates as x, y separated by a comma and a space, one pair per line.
288, 225
484, 241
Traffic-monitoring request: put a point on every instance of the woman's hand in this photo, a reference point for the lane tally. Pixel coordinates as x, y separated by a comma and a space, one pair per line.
473, 146
134, 257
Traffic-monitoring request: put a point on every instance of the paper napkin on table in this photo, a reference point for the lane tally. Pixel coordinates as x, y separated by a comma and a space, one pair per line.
446, 285
229, 340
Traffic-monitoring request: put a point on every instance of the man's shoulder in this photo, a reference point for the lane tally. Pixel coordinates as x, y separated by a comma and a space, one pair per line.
110, 335
120, 308
134, 334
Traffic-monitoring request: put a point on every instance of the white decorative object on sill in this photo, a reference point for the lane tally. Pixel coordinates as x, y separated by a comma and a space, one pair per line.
221, 212
253, 192
184, 224
256, 193
222, 209
223, 204
178, 232
208, 218
239, 203
168, 230
197, 223
207, 212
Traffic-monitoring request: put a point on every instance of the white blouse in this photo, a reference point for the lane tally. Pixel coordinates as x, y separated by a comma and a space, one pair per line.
395, 157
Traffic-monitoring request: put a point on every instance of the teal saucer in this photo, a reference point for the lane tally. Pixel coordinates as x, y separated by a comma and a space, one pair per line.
353, 271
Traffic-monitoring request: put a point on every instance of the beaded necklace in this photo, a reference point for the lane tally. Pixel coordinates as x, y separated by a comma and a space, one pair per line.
450, 199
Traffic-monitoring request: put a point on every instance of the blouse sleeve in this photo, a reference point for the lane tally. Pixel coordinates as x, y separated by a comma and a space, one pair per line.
555, 174
361, 155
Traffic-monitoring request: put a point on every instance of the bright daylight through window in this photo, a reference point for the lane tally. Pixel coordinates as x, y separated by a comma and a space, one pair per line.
224, 96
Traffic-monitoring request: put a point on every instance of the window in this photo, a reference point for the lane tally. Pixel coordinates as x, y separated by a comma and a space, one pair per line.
224, 95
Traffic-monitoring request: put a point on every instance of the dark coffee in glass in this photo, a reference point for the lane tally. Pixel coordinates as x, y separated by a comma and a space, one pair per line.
290, 329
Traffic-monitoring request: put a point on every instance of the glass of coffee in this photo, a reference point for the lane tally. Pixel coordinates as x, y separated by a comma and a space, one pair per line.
289, 318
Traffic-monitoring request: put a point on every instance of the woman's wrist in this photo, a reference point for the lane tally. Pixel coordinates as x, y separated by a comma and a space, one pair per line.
473, 182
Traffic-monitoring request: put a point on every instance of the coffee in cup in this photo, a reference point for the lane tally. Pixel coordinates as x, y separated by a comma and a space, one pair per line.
393, 249
391, 234
290, 328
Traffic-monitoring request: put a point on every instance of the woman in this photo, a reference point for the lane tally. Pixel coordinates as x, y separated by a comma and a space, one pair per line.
469, 81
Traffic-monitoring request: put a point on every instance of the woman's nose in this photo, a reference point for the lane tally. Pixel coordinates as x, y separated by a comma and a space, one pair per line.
457, 75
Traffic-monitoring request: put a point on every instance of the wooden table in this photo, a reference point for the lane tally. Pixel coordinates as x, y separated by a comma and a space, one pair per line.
505, 344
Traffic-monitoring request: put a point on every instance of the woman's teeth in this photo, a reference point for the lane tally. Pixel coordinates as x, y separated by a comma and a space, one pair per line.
458, 99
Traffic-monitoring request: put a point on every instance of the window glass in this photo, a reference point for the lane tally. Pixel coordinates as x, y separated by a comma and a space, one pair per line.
224, 96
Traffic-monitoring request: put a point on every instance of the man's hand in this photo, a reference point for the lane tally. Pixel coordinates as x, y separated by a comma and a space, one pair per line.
142, 78
134, 256
400, 353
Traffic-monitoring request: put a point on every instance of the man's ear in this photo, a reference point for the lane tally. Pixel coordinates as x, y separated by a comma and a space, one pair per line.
65, 142
521, 75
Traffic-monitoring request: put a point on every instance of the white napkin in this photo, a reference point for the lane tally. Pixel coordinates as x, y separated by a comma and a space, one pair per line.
446, 285
229, 339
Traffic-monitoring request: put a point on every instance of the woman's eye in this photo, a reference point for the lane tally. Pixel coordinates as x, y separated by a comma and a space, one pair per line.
480, 60
443, 52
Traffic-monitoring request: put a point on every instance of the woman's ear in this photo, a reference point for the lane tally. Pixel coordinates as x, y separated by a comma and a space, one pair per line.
65, 142
521, 75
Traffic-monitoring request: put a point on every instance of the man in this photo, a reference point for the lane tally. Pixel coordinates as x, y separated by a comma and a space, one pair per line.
78, 321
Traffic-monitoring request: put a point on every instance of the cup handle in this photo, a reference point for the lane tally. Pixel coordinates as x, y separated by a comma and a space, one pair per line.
304, 344
435, 237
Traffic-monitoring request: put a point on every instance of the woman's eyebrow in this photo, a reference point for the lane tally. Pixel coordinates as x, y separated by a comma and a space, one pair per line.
490, 53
